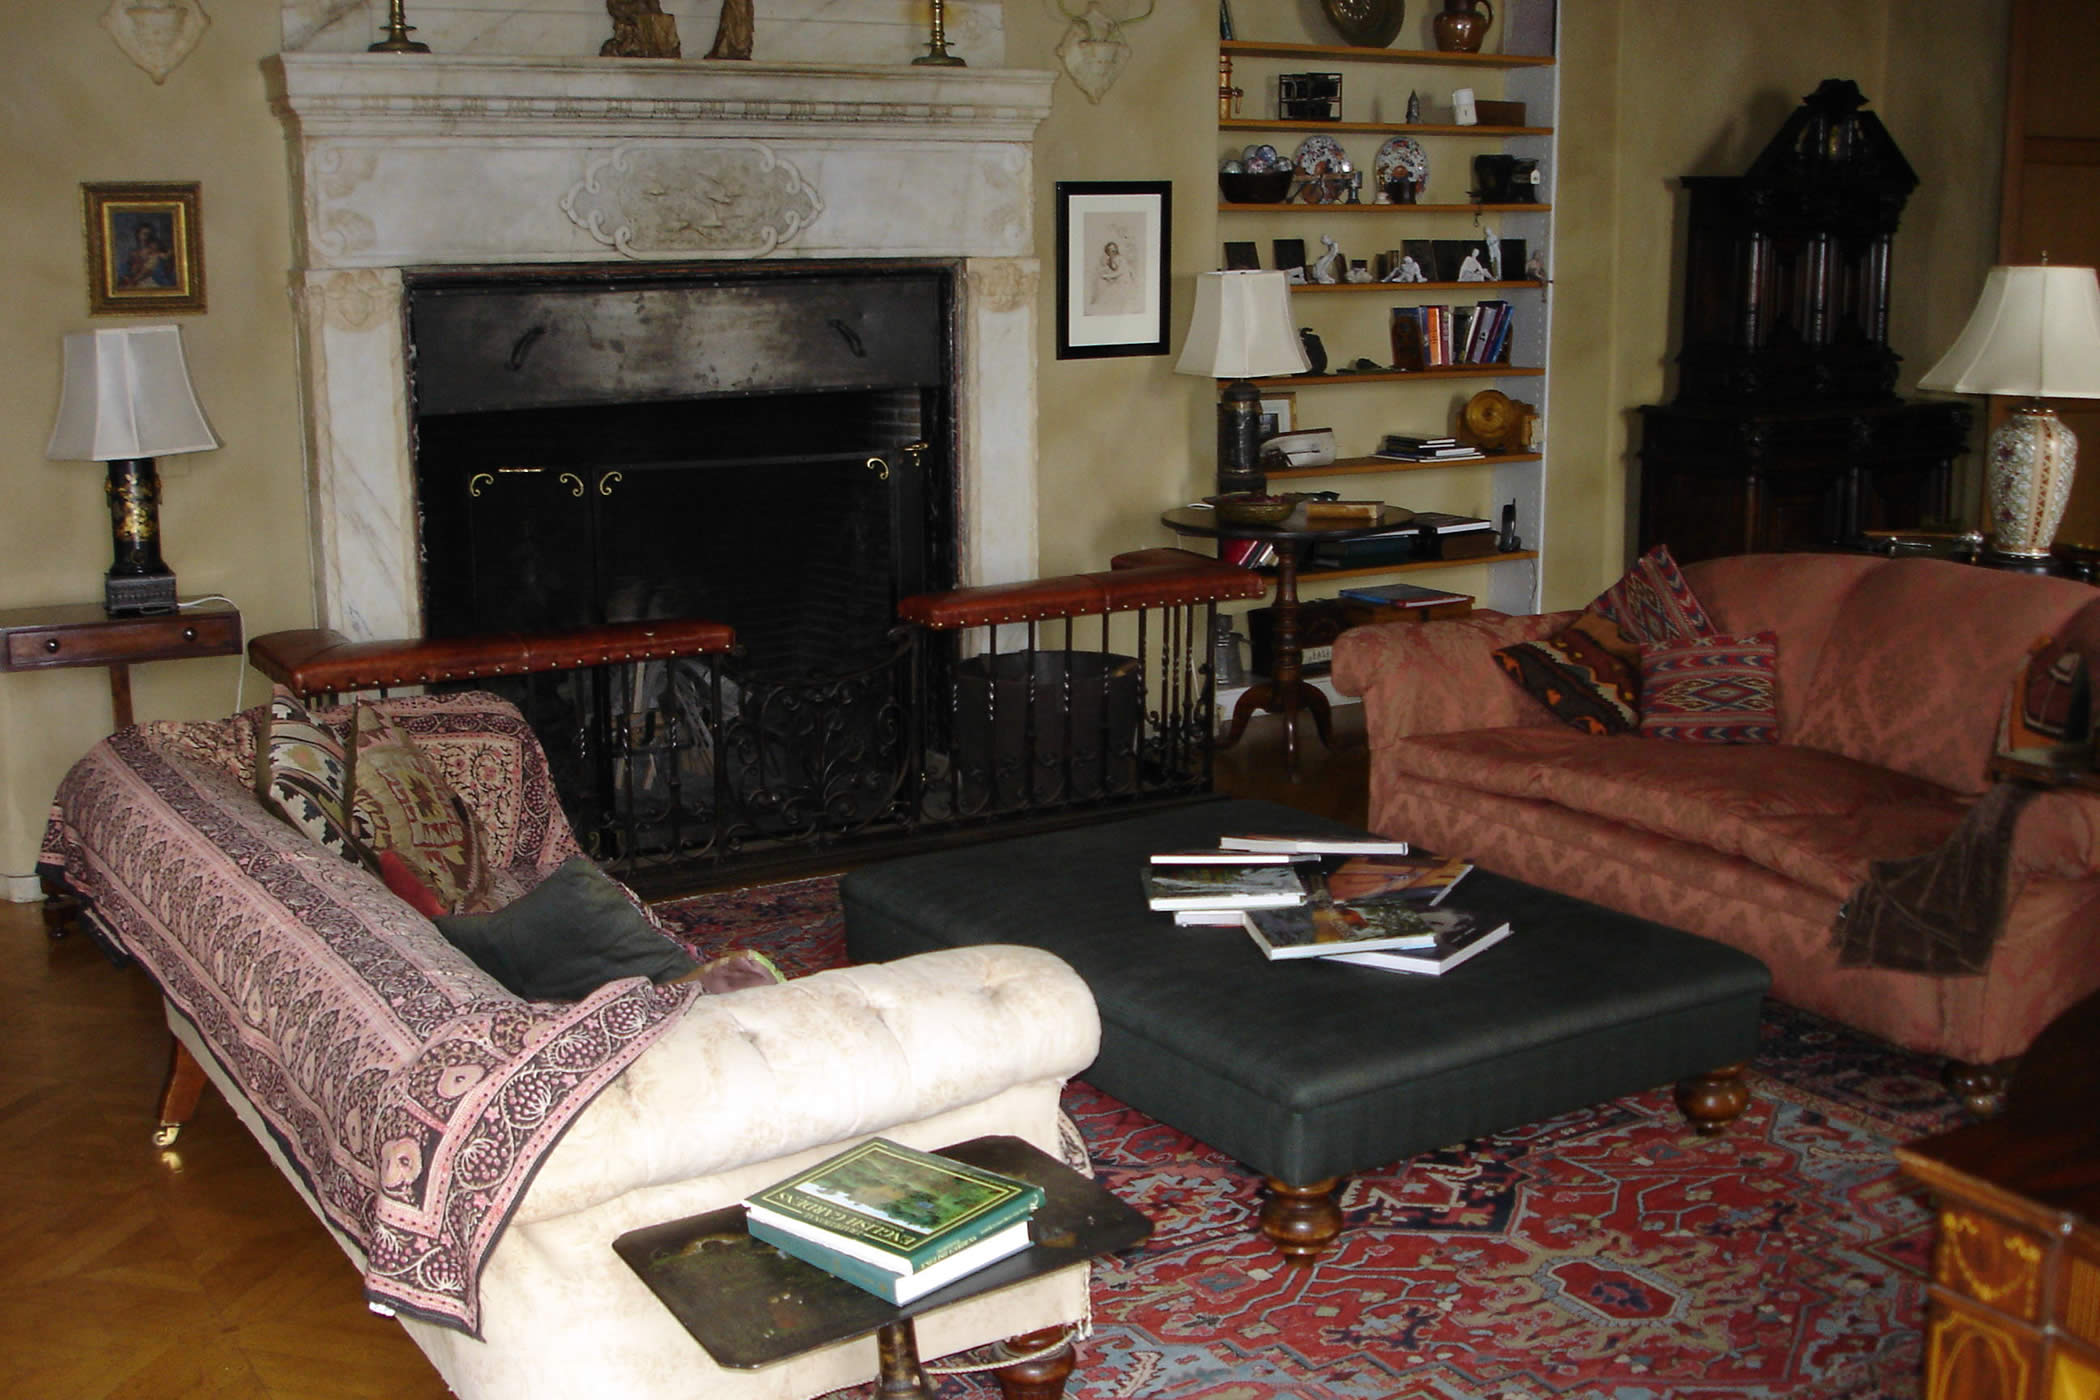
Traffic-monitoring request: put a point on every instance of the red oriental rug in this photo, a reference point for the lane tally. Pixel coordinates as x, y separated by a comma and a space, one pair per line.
1606, 1253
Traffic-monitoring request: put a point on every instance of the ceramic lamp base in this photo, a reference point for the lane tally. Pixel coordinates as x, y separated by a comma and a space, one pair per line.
2033, 457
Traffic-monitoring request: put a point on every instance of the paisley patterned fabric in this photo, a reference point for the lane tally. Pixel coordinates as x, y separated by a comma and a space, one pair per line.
414, 1097
1712, 690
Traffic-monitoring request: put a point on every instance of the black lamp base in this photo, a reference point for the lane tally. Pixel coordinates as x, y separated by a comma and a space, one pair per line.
1239, 439
138, 595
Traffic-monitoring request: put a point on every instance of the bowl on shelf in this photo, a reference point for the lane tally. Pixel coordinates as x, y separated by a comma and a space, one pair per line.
1252, 507
1254, 187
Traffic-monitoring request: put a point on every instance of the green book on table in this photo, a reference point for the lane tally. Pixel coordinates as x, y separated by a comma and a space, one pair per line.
896, 1288
893, 1207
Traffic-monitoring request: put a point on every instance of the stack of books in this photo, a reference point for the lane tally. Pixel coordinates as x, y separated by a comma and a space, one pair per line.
893, 1220
1368, 902
1430, 337
1404, 447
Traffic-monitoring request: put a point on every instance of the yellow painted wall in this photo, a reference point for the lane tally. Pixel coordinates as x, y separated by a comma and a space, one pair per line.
234, 520
1649, 92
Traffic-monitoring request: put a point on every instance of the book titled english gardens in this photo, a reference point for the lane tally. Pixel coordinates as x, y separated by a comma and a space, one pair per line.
894, 1207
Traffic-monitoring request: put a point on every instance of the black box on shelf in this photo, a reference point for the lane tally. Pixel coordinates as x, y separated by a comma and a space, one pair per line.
1309, 97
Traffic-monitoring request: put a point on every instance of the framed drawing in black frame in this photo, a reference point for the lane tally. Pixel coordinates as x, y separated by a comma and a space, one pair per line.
1113, 238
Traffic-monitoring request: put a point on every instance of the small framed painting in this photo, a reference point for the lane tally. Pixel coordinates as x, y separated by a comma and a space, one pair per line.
1112, 242
145, 248
1278, 414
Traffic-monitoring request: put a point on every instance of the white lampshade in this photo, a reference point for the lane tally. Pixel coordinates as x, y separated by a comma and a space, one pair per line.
1242, 328
127, 394
2035, 333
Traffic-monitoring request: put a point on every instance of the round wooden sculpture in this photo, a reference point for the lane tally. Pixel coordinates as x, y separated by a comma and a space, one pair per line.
1493, 422
1368, 24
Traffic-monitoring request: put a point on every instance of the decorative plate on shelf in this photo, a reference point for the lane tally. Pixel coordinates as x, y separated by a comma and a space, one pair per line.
1369, 24
1402, 158
1321, 155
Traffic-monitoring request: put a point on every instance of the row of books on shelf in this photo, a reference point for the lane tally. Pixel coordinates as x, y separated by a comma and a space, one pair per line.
1367, 902
893, 1220
1431, 337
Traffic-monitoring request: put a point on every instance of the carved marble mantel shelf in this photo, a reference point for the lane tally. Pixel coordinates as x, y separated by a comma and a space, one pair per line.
444, 161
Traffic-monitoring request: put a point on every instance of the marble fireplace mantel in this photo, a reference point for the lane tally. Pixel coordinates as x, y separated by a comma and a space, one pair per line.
443, 161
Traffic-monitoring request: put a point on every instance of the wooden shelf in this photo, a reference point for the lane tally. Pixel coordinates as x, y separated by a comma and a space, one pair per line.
1307, 572
1520, 285
1378, 466
1348, 53
1294, 207
1389, 128
1392, 376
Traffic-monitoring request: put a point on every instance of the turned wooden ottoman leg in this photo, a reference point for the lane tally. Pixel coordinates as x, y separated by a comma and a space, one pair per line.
1979, 1088
178, 1098
1302, 1221
1042, 1375
1714, 1099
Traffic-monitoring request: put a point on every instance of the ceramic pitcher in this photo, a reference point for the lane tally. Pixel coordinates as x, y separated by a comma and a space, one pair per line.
1463, 24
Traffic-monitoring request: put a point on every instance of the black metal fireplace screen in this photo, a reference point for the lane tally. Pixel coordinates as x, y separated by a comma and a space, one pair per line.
991, 710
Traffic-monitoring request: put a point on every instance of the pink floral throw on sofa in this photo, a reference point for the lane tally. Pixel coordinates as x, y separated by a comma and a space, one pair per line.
413, 1097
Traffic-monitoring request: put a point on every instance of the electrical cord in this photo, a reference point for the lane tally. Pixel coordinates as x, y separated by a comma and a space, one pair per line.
240, 641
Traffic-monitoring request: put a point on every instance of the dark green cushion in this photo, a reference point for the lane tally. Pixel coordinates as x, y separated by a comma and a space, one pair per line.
574, 932
1308, 1069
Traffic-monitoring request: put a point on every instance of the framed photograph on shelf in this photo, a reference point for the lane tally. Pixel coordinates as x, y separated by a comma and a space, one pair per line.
145, 248
1278, 413
1112, 242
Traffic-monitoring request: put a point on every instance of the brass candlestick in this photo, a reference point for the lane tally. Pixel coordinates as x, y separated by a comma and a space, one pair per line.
397, 30
937, 55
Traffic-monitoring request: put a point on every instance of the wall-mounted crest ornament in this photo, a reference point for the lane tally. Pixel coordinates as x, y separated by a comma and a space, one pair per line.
1093, 51
737, 199
157, 35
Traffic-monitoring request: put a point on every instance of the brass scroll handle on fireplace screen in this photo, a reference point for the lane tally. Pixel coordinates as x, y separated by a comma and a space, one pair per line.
879, 467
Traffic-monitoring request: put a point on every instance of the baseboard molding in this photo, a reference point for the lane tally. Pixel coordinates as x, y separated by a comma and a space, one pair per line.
23, 889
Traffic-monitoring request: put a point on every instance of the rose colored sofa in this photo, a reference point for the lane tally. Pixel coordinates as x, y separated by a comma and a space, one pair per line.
1893, 677
475, 1154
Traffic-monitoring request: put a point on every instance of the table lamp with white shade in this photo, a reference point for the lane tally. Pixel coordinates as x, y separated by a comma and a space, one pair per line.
127, 400
1241, 330
2035, 334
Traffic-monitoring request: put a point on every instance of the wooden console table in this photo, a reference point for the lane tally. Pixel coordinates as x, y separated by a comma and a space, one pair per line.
2016, 1269
82, 634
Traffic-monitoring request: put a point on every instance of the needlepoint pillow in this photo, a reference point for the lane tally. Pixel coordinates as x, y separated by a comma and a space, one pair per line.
1589, 673
400, 803
568, 936
303, 776
1712, 690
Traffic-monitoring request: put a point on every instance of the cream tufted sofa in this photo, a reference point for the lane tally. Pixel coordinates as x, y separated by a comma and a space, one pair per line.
476, 1155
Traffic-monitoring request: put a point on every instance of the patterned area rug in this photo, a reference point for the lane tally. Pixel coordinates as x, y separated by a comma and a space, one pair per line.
1605, 1253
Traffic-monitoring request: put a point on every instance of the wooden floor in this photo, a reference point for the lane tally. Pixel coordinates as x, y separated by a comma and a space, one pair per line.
134, 1272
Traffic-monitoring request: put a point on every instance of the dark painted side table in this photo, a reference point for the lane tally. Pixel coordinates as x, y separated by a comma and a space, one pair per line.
750, 1305
1286, 692
82, 634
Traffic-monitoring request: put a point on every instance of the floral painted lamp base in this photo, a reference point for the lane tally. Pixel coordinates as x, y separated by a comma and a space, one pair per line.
2033, 457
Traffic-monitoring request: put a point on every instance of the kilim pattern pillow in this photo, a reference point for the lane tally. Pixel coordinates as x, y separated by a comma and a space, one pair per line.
301, 774
402, 804
1589, 674
1579, 675
1712, 690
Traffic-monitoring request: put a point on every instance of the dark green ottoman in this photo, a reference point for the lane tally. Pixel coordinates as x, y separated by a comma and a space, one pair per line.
1308, 1070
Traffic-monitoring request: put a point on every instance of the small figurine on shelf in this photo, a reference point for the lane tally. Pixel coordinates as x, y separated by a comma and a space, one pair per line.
1359, 271
1510, 542
1328, 267
1535, 265
1414, 109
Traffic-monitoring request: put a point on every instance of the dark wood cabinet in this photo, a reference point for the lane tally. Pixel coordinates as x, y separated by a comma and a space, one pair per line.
1786, 431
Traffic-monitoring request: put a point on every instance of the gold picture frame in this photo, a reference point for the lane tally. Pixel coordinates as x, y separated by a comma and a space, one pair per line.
145, 248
